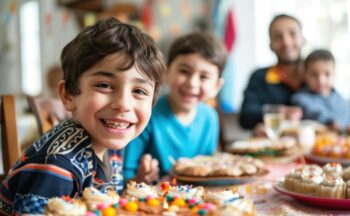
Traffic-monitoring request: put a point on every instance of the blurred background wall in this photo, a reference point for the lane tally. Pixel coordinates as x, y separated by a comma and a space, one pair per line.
33, 33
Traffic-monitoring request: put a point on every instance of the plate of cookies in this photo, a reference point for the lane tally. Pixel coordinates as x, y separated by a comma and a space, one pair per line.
219, 169
327, 186
282, 151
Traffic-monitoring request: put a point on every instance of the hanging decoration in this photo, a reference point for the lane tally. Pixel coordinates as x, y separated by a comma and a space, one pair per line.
175, 29
186, 9
225, 28
89, 19
48, 23
147, 15
155, 33
165, 10
65, 16
230, 31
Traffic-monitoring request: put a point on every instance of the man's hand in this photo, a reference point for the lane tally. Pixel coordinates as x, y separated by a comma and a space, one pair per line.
148, 171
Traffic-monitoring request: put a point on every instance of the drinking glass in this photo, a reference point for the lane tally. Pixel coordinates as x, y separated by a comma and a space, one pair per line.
273, 120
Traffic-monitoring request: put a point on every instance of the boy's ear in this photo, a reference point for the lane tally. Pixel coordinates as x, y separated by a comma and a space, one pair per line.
66, 98
218, 87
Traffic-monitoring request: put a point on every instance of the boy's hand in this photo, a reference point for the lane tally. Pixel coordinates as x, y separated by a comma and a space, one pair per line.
148, 171
333, 126
259, 130
293, 113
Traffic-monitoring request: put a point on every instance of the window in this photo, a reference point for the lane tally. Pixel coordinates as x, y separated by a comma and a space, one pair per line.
29, 27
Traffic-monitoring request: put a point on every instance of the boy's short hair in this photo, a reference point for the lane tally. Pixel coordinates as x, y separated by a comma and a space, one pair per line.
202, 43
283, 16
107, 37
317, 55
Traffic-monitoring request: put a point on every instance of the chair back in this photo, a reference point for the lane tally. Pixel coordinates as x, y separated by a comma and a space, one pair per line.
9, 141
48, 112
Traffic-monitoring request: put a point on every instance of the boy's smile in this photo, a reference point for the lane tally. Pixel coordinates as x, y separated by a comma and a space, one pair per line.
113, 106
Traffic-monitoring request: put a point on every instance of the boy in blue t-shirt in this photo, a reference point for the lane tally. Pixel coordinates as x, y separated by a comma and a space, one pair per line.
182, 124
112, 73
319, 100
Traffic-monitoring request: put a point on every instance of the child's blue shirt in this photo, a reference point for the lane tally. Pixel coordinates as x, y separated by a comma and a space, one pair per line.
61, 163
165, 136
325, 109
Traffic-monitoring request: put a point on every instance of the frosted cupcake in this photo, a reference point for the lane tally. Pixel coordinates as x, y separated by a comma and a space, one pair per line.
292, 179
348, 189
93, 197
308, 183
221, 197
313, 169
186, 191
346, 174
65, 207
140, 190
333, 168
332, 186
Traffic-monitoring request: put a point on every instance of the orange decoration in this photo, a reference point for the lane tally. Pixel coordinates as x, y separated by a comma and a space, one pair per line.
173, 181
165, 186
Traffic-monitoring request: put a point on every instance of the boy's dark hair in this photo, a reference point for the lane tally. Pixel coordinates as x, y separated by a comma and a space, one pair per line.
283, 16
317, 55
202, 43
107, 37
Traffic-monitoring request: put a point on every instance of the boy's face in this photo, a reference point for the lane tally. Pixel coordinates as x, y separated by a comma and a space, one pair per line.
319, 76
191, 79
114, 106
286, 40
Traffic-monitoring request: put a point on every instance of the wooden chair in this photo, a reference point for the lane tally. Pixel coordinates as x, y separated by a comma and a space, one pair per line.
9, 141
48, 112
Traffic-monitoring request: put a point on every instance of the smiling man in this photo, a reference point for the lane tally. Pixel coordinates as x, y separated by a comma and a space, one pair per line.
277, 83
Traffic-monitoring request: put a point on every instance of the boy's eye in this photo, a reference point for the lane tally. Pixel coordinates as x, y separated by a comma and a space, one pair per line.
204, 77
140, 91
184, 71
104, 85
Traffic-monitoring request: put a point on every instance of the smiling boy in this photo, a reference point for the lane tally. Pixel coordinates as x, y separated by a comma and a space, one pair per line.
112, 72
182, 124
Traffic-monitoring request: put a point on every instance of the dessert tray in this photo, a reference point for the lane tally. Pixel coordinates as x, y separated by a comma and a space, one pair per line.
323, 160
218, 169
321, 202
218, 180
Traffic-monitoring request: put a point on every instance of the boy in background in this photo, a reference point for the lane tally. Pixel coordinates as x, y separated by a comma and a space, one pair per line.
182, 124
112, 72
319, 100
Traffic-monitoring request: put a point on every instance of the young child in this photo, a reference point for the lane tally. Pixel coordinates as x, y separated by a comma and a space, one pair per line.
112, 72
182, 124
319, 100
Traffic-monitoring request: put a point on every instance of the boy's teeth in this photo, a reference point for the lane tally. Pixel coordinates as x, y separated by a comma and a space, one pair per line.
117, 125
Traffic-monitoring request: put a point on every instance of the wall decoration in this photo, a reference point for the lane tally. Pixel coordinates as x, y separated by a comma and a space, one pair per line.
165, 10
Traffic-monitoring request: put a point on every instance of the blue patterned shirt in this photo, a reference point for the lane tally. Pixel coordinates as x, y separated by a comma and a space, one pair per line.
61, 163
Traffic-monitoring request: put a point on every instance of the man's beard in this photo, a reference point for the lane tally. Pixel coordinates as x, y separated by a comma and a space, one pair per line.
288, 61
